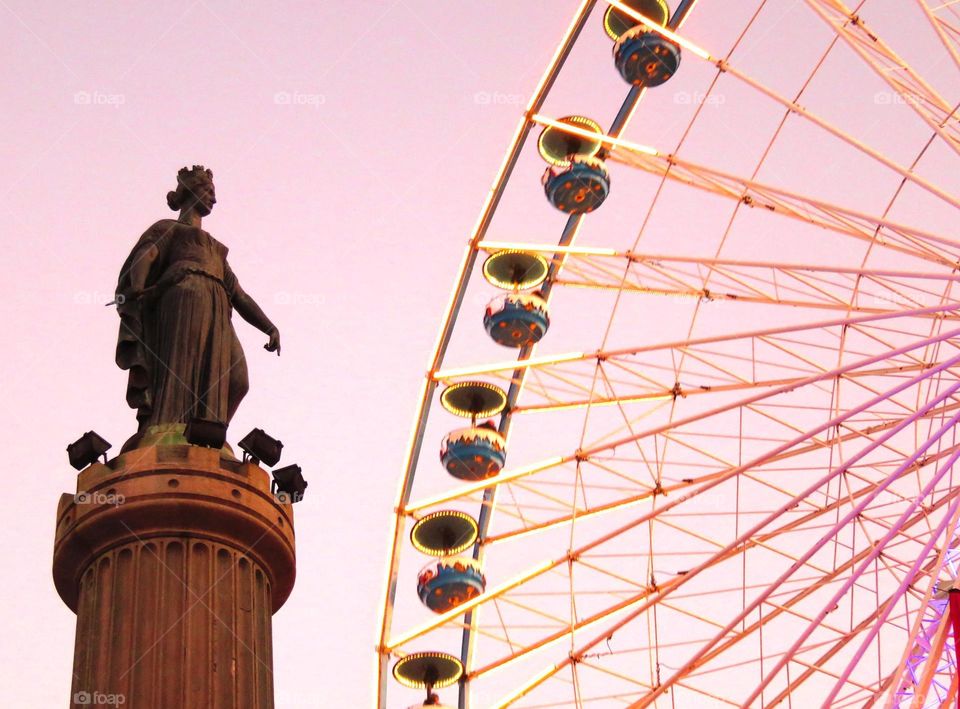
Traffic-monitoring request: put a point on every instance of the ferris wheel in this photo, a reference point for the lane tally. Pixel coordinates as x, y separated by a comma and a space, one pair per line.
697, 448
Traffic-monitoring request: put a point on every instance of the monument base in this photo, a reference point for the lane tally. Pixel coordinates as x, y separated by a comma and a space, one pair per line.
174, 561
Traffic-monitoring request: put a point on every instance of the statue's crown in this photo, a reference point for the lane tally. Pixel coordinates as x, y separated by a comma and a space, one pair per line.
192, 175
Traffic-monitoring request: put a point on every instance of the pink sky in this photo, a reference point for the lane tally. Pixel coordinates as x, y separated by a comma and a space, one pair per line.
352, 145
333, 223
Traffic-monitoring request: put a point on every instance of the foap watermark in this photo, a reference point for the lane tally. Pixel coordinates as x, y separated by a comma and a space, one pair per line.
96, 497
284, 497
92, 297
495, 98
106, 699
697, 98
98, 98
887, 98
288, 298
299, 98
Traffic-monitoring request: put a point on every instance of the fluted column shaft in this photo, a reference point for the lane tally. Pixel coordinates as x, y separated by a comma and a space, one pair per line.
174, 565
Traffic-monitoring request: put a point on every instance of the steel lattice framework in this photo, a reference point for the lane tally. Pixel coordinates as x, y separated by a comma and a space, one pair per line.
730, 472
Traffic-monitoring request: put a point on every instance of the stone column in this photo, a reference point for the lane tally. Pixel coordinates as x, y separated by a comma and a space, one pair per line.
174, 561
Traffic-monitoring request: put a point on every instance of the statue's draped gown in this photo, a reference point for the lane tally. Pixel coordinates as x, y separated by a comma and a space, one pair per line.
177, 342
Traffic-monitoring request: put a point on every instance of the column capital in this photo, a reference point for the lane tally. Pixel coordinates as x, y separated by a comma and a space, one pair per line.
173, 491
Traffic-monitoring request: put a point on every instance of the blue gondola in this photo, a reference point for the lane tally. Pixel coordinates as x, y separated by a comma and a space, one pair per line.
517, 319
646, 58
578, 188
474, 453
447, 582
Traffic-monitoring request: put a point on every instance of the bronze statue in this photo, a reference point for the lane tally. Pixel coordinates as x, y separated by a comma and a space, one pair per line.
175, 296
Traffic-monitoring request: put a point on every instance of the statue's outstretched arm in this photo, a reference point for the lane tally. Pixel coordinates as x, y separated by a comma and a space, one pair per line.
251, 312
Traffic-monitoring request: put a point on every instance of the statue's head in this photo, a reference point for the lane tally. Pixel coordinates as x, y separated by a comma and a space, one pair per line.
194, 190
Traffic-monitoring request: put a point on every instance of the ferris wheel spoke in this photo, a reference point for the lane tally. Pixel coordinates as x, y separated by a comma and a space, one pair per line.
783, 285
757, 195
946, 529
675, 426
807, 589
719, 374
765, 541
560, 632
725, 66
684, 578
948, 33
503, 535
748, 191
796, 285
891, 68
773, 397
812, 379
627, 679
875, 550
713, 648
782, 333
468, 492
845, 637
694, 661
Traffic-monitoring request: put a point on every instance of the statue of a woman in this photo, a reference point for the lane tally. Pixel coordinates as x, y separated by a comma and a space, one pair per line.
175, 297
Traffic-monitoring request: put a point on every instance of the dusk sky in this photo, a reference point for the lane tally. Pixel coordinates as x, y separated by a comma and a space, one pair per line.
352, 145
345, 209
